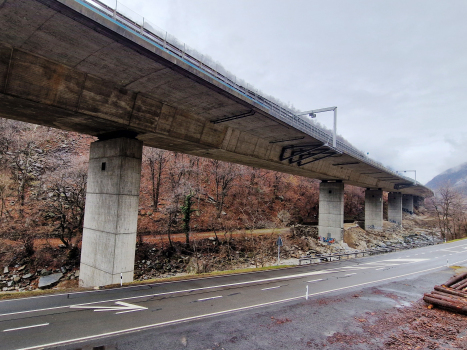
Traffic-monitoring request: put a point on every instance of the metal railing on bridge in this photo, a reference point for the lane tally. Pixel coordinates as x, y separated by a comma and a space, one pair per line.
152, 33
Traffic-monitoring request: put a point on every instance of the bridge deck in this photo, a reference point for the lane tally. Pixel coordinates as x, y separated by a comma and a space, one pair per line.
65, 65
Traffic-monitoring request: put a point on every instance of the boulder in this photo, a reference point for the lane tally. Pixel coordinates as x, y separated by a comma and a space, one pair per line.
5, 269
49, 281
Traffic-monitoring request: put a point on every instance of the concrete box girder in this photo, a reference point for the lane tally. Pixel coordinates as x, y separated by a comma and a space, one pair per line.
127, 79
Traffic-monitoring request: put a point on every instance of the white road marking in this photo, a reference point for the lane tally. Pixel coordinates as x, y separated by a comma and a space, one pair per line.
379, 268
26, 327
406, 260
154, 284
271, 288
199, 289
123, 308
357, 267
321, 279
192, 318
300, 275
350, 274
216, 297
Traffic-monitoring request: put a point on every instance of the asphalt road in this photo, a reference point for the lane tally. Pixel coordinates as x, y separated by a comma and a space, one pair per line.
67, 320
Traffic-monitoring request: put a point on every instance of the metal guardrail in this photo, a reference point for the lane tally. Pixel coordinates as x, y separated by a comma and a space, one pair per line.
374, 251
171, 45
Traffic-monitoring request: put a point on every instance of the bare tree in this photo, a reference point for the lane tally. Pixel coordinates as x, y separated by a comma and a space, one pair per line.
24, 166
5, 192
157, 160
65, 207
223, 175
450, 207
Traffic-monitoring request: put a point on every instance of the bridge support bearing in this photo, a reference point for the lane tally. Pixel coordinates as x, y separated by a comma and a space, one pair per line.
395, 208
374, 210
111, 212
331, 211
407, 203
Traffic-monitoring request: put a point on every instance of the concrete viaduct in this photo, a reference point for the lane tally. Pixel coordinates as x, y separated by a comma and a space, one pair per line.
80, 66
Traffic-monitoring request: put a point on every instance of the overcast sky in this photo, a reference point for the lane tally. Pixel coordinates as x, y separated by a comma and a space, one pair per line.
396, 69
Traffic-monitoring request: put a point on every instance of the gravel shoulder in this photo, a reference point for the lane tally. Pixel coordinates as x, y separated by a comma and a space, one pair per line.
387, 316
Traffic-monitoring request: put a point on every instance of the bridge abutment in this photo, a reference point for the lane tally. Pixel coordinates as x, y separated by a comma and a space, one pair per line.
407, 203
395, 208
374, 209
111, 212
331, 211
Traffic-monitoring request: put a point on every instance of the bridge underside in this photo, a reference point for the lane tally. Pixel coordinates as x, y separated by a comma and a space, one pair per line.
65, 66
37, 90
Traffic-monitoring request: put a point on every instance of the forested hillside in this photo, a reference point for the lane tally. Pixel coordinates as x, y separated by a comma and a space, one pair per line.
43, 178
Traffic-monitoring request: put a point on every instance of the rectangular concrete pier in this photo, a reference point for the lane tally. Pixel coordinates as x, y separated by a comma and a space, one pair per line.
111, 212
374, 210
395, 208
331, 211
407, 203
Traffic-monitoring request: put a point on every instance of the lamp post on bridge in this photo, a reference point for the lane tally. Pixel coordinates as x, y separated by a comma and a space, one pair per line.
312, 114
405, 171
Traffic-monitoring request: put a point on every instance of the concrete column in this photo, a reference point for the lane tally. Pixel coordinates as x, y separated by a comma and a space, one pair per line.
331, 211
374, 210
407, 203
395, 208
418, 202
111, 212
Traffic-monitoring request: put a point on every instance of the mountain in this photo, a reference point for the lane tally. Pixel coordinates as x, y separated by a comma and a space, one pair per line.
456, 177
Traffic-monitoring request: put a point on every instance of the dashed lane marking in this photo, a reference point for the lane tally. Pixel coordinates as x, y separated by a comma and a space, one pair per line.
192, 318
271, 288
313, 281
26, 327
210, 298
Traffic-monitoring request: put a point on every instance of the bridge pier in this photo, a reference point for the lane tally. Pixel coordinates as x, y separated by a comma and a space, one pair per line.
374, 209
395, 208
111, 212
331, 210
407, 203
418, 202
